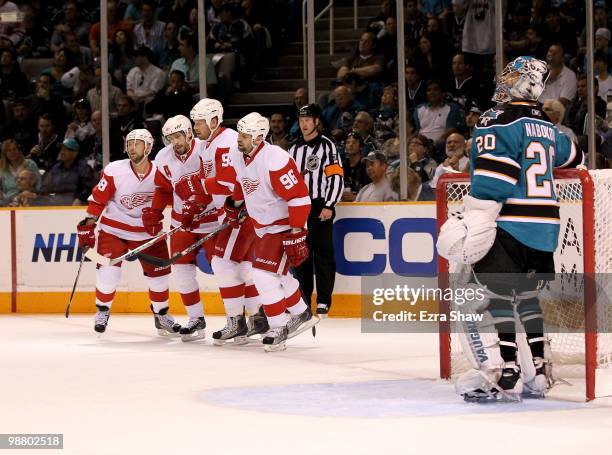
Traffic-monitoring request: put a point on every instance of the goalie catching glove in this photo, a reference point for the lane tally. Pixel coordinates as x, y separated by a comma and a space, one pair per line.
85, 233
468, 240
294, 243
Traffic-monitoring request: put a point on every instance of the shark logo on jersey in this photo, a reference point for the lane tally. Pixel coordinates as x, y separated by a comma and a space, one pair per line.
491, 114
131, 201
249, 185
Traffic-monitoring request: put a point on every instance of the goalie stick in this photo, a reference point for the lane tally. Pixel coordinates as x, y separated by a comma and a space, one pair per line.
76, 280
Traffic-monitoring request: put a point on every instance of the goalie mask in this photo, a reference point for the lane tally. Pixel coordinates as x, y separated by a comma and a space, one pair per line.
523, 78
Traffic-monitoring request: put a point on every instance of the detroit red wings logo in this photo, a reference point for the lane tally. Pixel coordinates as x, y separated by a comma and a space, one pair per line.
249, 185
207, 168
131, 201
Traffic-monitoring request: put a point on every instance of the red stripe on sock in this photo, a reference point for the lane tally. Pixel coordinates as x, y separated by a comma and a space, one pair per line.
191, 298
274, 309
105, 298
250, 291
232, 292
293, 298
156, 296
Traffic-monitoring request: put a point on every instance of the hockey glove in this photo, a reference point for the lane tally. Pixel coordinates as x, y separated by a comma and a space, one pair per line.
480, 222
152, 220
188, 216
295, 246
232, 213
85, 233
191, 189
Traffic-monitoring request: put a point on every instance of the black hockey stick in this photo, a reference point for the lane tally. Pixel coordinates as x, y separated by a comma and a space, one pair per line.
76, 280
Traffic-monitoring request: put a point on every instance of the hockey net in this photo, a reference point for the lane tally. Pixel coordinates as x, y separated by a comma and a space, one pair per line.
583, 262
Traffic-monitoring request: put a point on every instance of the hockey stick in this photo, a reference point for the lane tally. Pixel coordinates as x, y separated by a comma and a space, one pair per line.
76, 280
93, 255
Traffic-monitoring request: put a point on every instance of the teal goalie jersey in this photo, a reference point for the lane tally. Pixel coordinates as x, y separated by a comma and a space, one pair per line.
515, 148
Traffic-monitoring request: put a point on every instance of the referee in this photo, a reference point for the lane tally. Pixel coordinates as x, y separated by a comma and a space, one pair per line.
317, 160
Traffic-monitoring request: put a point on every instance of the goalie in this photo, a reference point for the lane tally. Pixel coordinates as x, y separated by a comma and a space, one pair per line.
508, 235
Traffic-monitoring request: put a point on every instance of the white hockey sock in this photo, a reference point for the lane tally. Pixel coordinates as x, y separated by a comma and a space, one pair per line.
194, 311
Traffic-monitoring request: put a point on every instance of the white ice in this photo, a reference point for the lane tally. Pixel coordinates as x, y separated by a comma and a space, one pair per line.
344, 392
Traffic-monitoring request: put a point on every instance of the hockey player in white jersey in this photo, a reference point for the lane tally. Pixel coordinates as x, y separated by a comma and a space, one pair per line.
179, 160
116, 204
231, 262
266, 178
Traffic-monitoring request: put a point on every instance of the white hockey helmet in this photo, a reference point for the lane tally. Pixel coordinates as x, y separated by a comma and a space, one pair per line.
140, 135
178, 123
254, 124
207, 109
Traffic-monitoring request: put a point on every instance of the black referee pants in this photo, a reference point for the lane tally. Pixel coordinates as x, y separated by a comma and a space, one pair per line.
321, 260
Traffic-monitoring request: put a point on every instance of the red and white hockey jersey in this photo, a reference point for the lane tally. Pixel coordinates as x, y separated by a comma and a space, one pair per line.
271, 186
215, 158
170, 169
122, 195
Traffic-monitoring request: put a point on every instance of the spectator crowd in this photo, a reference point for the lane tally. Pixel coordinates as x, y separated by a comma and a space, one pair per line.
51, 125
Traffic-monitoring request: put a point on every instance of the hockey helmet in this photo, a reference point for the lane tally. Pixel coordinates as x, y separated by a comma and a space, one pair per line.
523, 78
254, 124
140, 135
207, 109
178, 123
310, 110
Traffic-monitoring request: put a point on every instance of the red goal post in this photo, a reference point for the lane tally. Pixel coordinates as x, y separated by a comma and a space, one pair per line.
585, 199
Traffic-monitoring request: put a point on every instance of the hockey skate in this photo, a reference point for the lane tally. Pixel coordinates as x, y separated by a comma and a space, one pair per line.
165, 323
257, 324
274, 339
235, 331
101, 319
299, 323
508, 388
194, 329
542, 382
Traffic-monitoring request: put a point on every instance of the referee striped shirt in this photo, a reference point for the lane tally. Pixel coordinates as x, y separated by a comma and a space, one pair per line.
319, 164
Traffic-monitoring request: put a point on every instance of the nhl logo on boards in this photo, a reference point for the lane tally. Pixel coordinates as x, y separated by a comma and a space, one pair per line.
250, 185
312, 163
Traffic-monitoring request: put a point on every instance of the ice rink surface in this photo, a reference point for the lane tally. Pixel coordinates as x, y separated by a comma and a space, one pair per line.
131, 392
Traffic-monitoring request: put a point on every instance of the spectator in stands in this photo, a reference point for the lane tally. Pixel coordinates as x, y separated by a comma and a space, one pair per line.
22, 127
556, 112
188, 65
128, 119
380, 188
44, 153
81, 55
575, 117
531, 44
13, 83
417, 191
561, 82
80, 127
278, 132
340, 113
366, 63
377, 23
145, 80
121, 56
434, 8
70, 177
26, 186
385, 118
363, 125
602, 74
133, 12
300, 98
463, 88
44, 101
434, 118
355, 176
455, 20
70, 23
12, 162
415, 88
557, 30
478, 41
170, 51
432, 55
11, 33
176, 99
91, 148
471, 119
94, 94
456, 159
63, 62
114, 24
387, 47
414, 22
365, 93
257, 14
420, 149
213, 12
35, 42
149, 31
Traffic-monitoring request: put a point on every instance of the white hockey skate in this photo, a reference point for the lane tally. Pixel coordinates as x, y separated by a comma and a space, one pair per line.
302, 322
508, 387
101, 318
165, 324
234, 332
274, 339
542, 382
194, 329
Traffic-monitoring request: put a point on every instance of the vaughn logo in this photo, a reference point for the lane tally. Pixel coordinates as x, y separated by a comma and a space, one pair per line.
131, 201
250, 186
